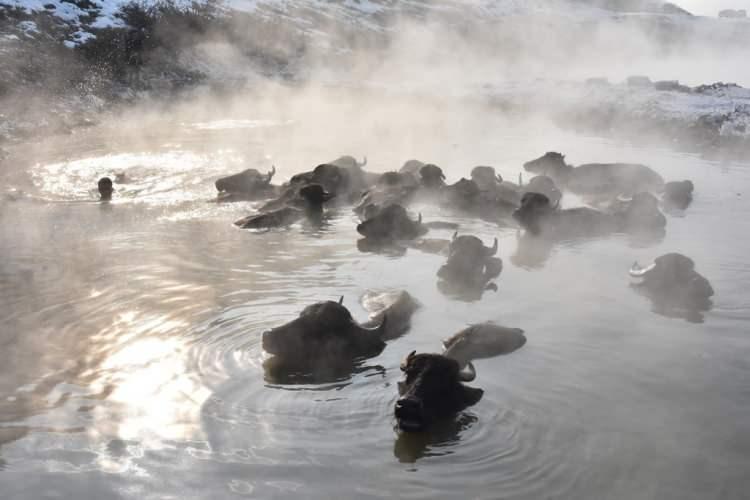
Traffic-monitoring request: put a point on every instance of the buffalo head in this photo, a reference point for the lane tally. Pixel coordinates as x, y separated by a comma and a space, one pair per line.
673, 281
470, 266
463, 193
546, 186
315, 195
534, 207
392, 223
485, 177
548, 164
432, 176
678, 194
246, 182
432, 390
642, 214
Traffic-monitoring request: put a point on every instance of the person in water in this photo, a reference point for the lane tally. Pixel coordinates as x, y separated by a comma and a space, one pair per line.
105, 188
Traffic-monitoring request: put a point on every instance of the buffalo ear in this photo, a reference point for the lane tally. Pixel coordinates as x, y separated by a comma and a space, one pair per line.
472, 395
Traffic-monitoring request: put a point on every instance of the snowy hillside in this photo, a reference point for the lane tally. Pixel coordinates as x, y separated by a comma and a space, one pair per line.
86, 16
515, 54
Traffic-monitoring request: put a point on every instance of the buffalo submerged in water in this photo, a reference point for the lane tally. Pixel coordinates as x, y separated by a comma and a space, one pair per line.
433, 387
325, 335
539, 217
674, 286
312, 196
248, 185
609, 180
470, 267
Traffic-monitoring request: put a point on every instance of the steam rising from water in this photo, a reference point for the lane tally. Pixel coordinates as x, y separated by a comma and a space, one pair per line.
131, 331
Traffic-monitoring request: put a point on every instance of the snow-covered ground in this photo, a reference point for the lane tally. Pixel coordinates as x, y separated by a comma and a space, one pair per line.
723, 110
86, 16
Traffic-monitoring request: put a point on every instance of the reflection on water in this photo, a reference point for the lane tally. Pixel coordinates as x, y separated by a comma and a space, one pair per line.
439, 440
132, 366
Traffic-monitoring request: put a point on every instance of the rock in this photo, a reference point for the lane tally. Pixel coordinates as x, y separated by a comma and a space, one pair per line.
733, 14
638, 81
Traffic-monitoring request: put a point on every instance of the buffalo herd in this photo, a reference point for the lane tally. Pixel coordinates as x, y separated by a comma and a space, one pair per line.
325, 339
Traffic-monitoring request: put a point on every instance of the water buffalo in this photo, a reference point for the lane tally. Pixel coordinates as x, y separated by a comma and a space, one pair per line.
466, 195
433, 389
325, 335
492, 185
412, 167
596, 179
469, 268
483, 340
348, 162
674, 286
678, 194
485, 177
545, 185
431, 176
313, 196
324, 330
246, 185
540, 218
105, 188
391, 188
392, 223
333, 178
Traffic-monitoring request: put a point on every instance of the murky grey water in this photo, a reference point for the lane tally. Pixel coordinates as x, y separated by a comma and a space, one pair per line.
131, 364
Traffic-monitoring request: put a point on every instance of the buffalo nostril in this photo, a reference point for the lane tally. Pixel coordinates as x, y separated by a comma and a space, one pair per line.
408, 407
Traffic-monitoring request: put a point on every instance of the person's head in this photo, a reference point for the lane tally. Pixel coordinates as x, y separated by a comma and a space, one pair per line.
105, 188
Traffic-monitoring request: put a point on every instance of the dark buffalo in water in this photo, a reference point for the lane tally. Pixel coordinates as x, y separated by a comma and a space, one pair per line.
343, 177
246, 185
544, 185
313, 196
494, 188
325, 336
539, 217
335, 180
489, 204
392, 223
678, 194
597, 179
432, 390
324, 330
469, 268
391, 188
431, 176
412, 167
674, 286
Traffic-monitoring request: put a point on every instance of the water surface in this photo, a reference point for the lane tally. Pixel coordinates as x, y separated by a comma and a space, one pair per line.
131, 364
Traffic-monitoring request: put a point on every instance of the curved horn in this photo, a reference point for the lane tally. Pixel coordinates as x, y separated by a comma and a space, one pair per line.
364, 161
499, 177
492, 251
341, 300
468, 373
271, 173
442, 175
380, 329
639, 272
406, 360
